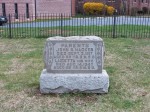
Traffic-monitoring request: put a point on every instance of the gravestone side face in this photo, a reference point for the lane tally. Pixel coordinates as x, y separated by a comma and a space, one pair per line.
74, 64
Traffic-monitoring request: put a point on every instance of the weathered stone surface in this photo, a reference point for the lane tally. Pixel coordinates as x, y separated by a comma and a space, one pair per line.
65, 83
74, 54
74, 64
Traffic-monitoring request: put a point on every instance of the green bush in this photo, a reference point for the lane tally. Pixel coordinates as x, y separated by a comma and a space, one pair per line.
93, 8
110, 10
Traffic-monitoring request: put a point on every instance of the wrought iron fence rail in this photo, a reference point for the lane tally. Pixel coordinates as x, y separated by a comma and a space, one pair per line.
47, 25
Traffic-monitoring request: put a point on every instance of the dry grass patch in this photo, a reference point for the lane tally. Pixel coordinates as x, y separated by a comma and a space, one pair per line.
17, 66
15, 47
23, 100
126, 62
1, 30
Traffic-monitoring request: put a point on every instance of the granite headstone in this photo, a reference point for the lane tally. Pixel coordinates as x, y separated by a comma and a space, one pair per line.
74, 64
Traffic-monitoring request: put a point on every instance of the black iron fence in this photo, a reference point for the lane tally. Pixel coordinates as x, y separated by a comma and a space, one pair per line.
47, 25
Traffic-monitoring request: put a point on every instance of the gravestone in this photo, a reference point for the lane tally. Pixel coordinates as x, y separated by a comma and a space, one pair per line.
74, 64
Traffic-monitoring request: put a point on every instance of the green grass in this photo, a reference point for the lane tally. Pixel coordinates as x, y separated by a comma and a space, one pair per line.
53, 18
125, 31
127, 63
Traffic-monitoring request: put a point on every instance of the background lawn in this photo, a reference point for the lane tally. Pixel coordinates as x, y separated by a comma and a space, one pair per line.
125, 31
127, 62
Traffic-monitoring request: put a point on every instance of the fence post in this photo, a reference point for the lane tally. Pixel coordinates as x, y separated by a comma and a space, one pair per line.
114, 25
10, 36
61, 24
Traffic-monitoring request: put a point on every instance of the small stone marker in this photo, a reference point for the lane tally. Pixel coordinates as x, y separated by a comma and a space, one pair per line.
74, 64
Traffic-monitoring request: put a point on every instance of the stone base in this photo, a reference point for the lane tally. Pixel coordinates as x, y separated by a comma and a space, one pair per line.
65, 83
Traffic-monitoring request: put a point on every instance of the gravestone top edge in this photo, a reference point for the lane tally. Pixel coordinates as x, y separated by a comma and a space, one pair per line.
75, 38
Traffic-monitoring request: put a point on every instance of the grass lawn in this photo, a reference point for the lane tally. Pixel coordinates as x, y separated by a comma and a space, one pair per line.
125, 31
127, 62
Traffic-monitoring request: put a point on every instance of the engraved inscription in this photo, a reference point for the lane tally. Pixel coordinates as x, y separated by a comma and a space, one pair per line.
74, 56
49, 55
98, 54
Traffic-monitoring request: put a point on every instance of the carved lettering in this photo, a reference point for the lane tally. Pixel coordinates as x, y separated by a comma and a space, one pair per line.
72, 56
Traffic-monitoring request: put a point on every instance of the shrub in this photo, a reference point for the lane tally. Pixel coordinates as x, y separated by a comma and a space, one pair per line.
93, 8
110, 10
97, 8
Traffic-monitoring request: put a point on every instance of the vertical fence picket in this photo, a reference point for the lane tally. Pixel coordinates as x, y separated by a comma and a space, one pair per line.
114, 26
61, 25
10, 35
